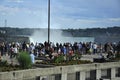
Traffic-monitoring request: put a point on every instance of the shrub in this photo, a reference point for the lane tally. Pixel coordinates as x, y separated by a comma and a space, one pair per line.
77, 55
24, 60
117, 56
3, 63
59, 59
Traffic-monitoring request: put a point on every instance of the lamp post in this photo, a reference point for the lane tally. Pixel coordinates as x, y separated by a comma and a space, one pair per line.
48, 21
5, 23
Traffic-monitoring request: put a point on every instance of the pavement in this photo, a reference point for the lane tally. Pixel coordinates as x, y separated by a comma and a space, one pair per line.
84, 57
9, 60
92, 56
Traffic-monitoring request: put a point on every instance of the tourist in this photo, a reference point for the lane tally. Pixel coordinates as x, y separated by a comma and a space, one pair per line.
94, 48
24, 46
15, 50
2, 45
108, 47
118, 48
32, 56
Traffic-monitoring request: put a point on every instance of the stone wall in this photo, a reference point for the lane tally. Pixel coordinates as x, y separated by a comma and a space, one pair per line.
94, 71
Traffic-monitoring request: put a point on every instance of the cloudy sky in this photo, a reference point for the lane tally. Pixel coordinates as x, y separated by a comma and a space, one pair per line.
64, 13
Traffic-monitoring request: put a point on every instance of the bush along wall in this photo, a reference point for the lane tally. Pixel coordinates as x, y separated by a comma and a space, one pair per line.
24, 60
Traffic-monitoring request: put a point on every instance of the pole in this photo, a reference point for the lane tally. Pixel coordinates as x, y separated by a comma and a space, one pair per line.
48, 21
5, 23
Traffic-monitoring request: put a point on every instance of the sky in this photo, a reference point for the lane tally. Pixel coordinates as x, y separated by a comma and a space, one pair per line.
64, 13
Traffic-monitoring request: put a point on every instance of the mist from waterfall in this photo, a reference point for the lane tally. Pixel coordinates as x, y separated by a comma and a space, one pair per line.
40, 36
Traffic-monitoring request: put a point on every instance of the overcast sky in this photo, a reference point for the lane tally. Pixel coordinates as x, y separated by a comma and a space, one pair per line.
64, 13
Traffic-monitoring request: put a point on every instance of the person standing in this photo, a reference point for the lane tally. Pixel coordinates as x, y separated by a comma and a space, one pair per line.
118, 48
32, 56
15, 50
94, 48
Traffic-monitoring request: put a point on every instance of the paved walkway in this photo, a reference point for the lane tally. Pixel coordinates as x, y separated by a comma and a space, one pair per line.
91, 56
10, 60
84, 57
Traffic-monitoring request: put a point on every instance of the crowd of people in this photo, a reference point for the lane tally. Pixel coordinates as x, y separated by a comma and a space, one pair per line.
42, 49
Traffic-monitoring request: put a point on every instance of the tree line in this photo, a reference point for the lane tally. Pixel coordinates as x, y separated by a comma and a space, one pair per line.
88, 32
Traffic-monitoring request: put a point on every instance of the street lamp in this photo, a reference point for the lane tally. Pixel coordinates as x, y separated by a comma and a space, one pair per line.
48, 21
5, 23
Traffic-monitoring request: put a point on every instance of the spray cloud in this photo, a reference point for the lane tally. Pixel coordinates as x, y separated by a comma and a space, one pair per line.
56, 35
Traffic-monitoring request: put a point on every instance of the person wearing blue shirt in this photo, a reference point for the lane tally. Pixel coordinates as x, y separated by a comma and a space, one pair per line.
32, 57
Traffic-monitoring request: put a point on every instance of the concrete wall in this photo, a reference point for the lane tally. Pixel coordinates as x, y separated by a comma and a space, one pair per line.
110, 71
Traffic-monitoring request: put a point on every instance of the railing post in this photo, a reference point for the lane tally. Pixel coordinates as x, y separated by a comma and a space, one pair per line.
113, 71
98, 74
82, 75
64, 76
